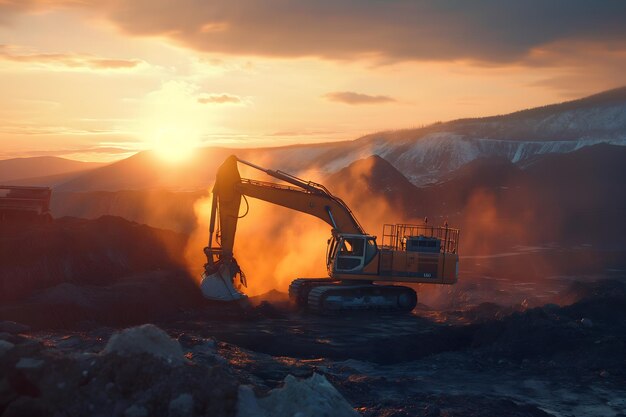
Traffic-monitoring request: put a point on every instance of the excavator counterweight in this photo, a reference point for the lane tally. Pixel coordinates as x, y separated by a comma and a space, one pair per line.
360, 272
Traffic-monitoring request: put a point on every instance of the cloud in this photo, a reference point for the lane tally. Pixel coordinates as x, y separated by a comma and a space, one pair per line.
219, 99
496, 32
67, 60
13, 128
303, 132
350, 97
585, 68
87, 149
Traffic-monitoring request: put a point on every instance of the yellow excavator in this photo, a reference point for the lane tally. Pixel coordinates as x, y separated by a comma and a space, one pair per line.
360, 271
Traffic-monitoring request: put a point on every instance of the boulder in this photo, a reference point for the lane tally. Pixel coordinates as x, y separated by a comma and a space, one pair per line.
147, 338
312, 397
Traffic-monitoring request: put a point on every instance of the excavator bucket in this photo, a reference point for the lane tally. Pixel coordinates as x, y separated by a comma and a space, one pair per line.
217, 283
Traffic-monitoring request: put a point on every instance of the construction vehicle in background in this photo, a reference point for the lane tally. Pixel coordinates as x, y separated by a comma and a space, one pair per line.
24, 203
360, 271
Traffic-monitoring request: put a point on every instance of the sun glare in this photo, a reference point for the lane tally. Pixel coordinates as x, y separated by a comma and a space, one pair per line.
173, 121
174, 144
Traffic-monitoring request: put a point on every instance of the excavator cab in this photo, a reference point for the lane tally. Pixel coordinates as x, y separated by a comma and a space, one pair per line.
350, 253
362, 275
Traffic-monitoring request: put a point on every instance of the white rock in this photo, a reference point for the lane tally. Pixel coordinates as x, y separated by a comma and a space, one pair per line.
586, 322
29, 363
312, 397
136, 411
5, 347
147, 338
181, 406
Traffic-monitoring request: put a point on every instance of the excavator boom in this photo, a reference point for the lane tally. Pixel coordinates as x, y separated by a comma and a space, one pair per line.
304, 196
416, 253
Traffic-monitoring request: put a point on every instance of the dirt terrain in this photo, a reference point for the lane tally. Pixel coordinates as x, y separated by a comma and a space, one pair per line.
478, 361
496, 343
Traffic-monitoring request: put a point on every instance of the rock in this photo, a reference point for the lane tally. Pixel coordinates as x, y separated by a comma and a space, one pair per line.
181, 406
13, 327
5, 347
604, 374
9, 337
29, 363
136, 411
310, 397
147, 338
586, 322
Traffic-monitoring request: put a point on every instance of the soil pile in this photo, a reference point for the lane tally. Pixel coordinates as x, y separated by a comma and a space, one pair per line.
34, 256
42, 380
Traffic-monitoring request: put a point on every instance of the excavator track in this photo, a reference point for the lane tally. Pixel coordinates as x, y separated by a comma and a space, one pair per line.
329, 299
299, 289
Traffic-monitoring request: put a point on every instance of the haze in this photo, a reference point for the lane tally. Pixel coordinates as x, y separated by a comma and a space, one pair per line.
98, 81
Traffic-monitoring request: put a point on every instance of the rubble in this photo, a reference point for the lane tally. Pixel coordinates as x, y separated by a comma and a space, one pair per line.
310, 397
181, 406
5, 347
29, 363
145, 339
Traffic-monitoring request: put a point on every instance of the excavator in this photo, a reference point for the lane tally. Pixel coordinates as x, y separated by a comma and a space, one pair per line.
361, 273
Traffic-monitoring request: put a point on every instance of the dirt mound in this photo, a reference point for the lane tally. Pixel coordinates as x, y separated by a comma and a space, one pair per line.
36, 256
42, 380
310, 397
136, 299
587, 334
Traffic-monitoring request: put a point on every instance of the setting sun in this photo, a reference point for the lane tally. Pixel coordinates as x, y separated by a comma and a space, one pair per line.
173, 144
173, 121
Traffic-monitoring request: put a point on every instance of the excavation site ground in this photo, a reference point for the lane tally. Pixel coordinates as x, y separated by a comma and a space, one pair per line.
103, 323
471, 360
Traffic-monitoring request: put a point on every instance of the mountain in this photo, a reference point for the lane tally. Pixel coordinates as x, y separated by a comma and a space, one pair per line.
572, 198
145, 170
424, 156
23, 170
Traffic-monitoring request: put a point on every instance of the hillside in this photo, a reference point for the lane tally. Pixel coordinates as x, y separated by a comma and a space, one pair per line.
94, 252
426, 155
25, 169
501, 204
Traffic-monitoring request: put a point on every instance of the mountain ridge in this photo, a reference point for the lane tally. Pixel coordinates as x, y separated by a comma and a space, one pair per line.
38, 167
424, 156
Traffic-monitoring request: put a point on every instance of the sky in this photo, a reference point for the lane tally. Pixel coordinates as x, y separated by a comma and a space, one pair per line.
101, 80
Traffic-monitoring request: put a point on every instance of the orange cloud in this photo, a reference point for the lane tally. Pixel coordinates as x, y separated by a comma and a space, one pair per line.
350, 97
488, 31
219, 99
67, 60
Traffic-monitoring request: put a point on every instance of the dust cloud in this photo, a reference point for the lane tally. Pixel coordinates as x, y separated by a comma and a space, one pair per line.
507, 250
273, 245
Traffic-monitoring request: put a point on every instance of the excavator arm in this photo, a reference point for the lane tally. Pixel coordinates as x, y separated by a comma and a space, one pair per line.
303, 196
357, 267
306, 197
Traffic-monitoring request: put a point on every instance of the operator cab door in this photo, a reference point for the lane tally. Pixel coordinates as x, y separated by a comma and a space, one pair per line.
351, 254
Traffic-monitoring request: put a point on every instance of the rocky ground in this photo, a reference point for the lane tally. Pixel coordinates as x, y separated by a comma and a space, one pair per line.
491, 345
480, 361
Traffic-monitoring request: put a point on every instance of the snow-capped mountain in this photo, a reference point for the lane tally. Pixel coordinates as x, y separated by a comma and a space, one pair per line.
425, 155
